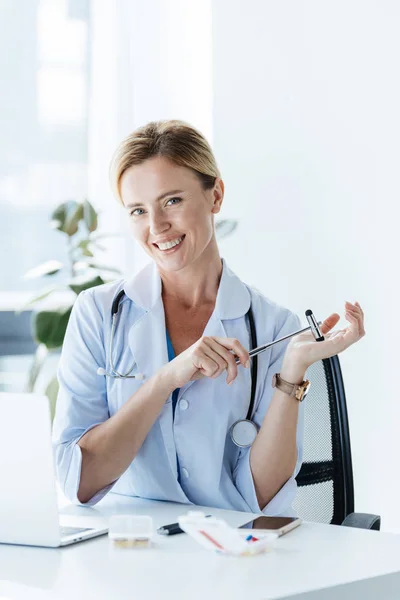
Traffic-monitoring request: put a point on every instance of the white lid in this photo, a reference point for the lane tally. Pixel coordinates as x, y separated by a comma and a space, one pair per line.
130, 527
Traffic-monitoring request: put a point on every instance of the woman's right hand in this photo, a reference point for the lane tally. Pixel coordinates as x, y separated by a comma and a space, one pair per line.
208, 357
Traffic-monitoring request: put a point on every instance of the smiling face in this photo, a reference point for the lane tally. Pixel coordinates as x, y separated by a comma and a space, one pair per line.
171, 215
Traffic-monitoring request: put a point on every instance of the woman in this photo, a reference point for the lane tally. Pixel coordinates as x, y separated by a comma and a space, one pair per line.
180, 323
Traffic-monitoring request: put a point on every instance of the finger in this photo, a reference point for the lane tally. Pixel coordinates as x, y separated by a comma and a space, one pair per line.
329, 323
228, 358
356, 307
354, 317
234, 345
216, 356
353, 331
356, 310
360, 315
207, 366
357, 304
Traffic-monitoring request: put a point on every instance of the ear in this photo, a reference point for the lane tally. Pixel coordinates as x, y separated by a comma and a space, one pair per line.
218, 195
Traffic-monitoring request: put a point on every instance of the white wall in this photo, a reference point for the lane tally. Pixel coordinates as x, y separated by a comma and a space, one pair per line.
306, 132
301, 101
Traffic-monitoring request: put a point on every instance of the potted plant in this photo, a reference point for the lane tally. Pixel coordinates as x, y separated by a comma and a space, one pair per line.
77, 221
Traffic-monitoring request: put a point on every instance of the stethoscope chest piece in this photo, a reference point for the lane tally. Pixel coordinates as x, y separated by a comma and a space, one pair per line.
243, 433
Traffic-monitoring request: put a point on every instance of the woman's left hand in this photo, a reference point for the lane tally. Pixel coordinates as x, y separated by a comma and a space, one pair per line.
303, 350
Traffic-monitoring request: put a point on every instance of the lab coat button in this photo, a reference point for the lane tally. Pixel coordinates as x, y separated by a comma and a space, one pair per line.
185, 472
184, 404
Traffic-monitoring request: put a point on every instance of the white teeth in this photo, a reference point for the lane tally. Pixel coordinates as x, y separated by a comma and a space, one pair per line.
169, 245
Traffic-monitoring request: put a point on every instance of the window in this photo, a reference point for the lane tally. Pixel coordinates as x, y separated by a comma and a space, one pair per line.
44, 73
43, 144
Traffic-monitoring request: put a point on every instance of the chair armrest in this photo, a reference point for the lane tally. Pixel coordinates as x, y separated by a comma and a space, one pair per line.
363, 521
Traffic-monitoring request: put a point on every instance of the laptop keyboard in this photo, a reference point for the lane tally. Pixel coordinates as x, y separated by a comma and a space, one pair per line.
73, 530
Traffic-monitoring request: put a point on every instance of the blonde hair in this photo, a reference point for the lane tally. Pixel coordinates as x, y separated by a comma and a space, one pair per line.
173, 139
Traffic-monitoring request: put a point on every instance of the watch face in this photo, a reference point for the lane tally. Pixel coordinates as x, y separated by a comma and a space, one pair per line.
305, 394
306, 390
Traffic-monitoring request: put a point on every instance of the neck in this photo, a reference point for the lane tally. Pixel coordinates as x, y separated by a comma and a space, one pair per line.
197, 284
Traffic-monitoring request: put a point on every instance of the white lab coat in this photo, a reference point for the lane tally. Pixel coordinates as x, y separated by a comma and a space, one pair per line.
213, 470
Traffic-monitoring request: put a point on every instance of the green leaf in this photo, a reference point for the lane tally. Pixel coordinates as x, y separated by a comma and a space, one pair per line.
89, 216
84, 247
51, 392
82, 244
48, 268
78, 284
66, 217
37, 298
49, 327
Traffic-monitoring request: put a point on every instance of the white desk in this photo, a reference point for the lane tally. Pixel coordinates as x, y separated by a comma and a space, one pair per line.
308, 563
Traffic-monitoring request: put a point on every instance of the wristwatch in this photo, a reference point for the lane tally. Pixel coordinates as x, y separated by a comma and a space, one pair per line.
298, 391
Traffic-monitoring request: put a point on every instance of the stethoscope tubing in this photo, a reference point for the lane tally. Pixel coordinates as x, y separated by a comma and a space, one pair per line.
114, 371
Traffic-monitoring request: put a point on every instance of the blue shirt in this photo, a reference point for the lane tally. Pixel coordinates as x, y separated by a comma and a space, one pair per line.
171, 356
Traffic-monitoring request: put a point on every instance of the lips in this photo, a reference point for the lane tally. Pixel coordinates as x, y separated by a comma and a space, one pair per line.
170, 245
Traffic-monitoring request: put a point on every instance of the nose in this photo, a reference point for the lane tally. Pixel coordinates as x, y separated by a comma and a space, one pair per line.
157, 222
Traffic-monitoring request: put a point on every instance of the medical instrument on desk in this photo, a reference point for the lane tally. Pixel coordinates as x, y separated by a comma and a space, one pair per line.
244, 431
216, 535
130, 531
172, 528
114, 373
317, 333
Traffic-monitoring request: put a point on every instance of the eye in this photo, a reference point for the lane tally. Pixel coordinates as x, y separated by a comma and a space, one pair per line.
174, 201
136, 212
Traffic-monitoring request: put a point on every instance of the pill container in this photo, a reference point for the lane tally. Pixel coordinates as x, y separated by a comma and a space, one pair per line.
130, 531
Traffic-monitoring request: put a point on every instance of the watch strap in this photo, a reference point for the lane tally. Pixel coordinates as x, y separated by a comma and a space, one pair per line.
294, 390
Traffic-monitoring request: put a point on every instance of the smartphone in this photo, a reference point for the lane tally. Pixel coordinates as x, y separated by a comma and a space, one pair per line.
279, 525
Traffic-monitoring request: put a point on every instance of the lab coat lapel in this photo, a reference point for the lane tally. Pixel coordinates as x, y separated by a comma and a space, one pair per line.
147, 340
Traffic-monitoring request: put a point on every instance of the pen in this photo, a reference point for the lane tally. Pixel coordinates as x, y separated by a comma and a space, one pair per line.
171, 529
260, 349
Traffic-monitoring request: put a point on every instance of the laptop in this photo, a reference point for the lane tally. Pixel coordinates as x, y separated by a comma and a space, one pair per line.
28, 495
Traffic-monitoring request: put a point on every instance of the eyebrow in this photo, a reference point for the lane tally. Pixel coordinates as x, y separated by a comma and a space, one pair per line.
136, 204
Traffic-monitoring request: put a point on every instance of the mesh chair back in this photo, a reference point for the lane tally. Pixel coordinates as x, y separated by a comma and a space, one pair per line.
325, 482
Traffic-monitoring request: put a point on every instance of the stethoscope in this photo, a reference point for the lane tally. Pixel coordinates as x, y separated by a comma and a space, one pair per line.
114, 373
244, 431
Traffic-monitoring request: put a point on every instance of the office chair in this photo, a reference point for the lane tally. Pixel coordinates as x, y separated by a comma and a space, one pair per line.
325, 491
